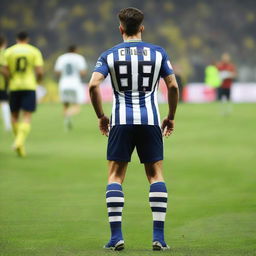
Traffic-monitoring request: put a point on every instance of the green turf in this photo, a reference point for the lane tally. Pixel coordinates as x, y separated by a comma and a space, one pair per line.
52, 202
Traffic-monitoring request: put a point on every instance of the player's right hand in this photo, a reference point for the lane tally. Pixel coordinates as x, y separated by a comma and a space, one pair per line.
104, 125
167, 127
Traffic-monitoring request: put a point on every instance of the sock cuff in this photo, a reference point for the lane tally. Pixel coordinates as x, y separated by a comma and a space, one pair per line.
158, 187
114, 186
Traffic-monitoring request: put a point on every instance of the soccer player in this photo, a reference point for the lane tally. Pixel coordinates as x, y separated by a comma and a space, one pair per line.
24, 63
227, 74
71, 67
135, 68
3, 87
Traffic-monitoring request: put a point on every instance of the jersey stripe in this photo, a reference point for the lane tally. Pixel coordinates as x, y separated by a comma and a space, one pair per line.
147, 98
135, 93
110, 61
113, 115
122, 108
129, 111
156, 104
149, 108
136, 108
117, 117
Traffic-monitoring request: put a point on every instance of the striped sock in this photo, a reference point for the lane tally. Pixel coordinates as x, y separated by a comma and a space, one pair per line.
158, 203
115, 204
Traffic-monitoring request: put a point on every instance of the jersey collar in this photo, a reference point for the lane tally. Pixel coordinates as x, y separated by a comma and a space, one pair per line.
132, 40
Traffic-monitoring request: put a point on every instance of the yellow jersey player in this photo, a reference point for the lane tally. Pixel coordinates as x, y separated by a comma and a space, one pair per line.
3, 90
24, 63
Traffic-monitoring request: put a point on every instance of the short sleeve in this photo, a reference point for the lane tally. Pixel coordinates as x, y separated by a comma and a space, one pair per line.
82, 63
102, 66
39, 59
58, 65
166, 67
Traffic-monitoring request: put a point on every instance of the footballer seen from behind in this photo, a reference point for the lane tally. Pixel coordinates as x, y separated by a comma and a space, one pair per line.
135, 68
24, 64
71, 68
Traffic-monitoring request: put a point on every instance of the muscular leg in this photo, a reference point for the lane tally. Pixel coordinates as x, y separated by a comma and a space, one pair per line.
23, 129
115, 202
158, 202
15, 120
116, 171
154, 171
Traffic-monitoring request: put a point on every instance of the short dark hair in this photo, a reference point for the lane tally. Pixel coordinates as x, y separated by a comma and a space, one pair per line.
131, 19
2, 40
72, 48
23, 35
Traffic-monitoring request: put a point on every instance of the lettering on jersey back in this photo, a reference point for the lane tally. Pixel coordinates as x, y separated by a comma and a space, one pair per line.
131, 51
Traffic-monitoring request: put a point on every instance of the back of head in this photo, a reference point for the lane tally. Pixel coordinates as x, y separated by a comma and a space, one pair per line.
131, 20
2, 41
226, 57
72, 48
22, 36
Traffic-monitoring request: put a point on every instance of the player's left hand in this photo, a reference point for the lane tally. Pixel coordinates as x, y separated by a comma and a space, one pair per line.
167, 127
104, 125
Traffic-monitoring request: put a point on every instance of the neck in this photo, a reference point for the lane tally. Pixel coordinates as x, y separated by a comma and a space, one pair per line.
22, 42
136, 37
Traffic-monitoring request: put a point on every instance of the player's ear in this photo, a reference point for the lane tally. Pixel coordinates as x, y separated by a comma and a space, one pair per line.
121, 29
142, 28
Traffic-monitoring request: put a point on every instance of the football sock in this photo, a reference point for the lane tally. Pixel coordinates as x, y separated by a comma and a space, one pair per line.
6, 116
115, 204
22, 133
158, 203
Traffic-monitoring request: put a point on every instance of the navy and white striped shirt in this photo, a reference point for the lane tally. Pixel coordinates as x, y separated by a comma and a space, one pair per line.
135, 68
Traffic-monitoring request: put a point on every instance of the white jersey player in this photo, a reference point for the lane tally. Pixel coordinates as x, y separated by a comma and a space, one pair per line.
71, 67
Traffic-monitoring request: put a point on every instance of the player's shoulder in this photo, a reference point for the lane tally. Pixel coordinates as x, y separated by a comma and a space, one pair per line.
10, 49
155, 47
33, 48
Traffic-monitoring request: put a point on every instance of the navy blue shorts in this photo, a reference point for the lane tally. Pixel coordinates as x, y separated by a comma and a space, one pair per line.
22, 100
146, 138
3, 95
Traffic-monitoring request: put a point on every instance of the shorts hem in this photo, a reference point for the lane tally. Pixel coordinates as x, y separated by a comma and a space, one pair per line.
118, 159
151, 160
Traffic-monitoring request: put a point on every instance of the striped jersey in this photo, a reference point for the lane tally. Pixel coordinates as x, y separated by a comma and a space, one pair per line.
135, 68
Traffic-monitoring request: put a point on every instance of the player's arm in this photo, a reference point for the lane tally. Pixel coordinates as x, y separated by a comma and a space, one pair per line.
4, 70
39, 74
96, 99
173, 98
39, 62
83, 67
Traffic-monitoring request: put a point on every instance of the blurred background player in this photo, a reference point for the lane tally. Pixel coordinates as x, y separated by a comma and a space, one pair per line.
71, 67
227, 72
3, 88
212, 76
135, 68
24, 63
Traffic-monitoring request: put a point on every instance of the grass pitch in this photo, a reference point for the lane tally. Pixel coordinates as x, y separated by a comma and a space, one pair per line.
52, 202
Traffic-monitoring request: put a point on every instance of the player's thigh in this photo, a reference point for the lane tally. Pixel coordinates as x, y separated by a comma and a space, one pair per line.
15, 100
28, 101
154, 171
120, 143
149, 143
